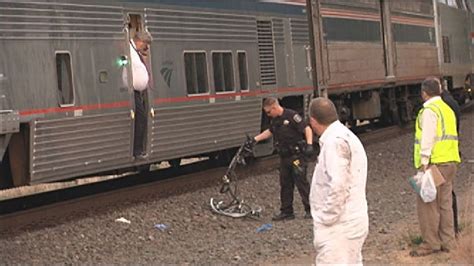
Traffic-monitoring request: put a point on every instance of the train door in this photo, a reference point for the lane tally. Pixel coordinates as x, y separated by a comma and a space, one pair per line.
318, 52
139, 56
387, 38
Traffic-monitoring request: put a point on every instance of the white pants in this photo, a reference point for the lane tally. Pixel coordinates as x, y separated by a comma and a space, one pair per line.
340, 243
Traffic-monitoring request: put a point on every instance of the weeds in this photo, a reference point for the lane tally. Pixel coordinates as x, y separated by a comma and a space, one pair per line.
412, 239
463, 252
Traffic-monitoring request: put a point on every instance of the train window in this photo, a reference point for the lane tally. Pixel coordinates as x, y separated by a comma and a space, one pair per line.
243, 72
195, 65
135, 24
446, 50
223, 71
64, 78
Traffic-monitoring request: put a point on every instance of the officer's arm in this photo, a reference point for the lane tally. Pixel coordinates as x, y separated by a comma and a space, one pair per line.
263, 136
308, 133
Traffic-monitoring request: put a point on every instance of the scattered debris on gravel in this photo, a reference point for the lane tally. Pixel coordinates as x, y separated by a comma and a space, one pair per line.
181, 229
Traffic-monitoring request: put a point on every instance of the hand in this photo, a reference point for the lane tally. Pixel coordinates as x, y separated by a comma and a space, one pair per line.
309, 150
250, 143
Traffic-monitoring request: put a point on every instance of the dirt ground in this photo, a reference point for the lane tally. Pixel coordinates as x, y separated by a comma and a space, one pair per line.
390, 240
181, 229
382, 248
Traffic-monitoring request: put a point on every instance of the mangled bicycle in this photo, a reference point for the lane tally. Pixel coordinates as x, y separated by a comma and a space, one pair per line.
235, 206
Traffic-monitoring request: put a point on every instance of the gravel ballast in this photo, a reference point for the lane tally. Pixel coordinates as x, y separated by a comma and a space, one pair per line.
191, 234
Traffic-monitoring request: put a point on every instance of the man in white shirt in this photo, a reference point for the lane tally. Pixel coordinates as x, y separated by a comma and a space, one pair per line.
139, 46
436, 143
337, 197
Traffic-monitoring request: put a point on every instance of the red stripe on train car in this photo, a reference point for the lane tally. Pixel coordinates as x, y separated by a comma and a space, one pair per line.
208, 96
328, 12
28, 112
413, 21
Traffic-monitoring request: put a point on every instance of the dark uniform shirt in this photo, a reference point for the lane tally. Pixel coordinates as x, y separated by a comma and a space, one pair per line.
288, 130
453, 104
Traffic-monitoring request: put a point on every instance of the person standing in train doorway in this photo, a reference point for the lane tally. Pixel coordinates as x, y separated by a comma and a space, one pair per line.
139, 46
294, 140
338, 200
436, 143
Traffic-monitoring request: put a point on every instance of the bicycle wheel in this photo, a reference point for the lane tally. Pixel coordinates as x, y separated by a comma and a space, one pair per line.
235, 210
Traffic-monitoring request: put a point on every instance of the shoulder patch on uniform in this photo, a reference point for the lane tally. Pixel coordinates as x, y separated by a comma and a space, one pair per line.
297, 118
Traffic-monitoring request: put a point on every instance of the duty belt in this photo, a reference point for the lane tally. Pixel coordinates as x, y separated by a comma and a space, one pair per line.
289, 151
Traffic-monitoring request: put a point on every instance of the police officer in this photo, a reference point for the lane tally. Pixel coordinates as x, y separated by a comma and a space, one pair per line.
453, 104
448, 98
294, 140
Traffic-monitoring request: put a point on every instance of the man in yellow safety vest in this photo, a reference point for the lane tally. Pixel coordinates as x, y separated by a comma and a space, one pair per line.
436, 143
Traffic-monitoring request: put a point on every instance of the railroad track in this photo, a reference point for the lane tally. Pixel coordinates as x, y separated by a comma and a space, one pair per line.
59, 206
49, 208
27, 212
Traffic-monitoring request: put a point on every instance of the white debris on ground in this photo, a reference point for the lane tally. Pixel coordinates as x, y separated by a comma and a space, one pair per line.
181, 229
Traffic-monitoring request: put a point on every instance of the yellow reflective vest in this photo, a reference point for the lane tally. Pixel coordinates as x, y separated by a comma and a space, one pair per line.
446, 146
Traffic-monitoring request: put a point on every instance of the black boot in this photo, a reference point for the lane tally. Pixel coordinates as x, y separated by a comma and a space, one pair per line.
283, 216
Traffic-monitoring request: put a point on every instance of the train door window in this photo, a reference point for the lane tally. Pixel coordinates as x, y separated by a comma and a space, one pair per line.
446, 50
64, 78
135, 24
222, 65
243, 71
195, 65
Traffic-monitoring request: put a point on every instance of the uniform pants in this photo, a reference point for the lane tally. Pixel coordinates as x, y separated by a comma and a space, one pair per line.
436, 217
140, 123
288, 180
340, 243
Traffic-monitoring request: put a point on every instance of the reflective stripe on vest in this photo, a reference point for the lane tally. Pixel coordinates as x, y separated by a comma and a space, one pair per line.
445, 148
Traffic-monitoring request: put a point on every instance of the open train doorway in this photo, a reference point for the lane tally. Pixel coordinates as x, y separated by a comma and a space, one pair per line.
140, 43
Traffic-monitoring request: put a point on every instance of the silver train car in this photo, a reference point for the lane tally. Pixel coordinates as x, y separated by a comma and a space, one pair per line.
374, 54
67, 111
455, 39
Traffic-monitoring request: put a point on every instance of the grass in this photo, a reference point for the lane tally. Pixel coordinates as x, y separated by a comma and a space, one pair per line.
464, 251
413, 239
